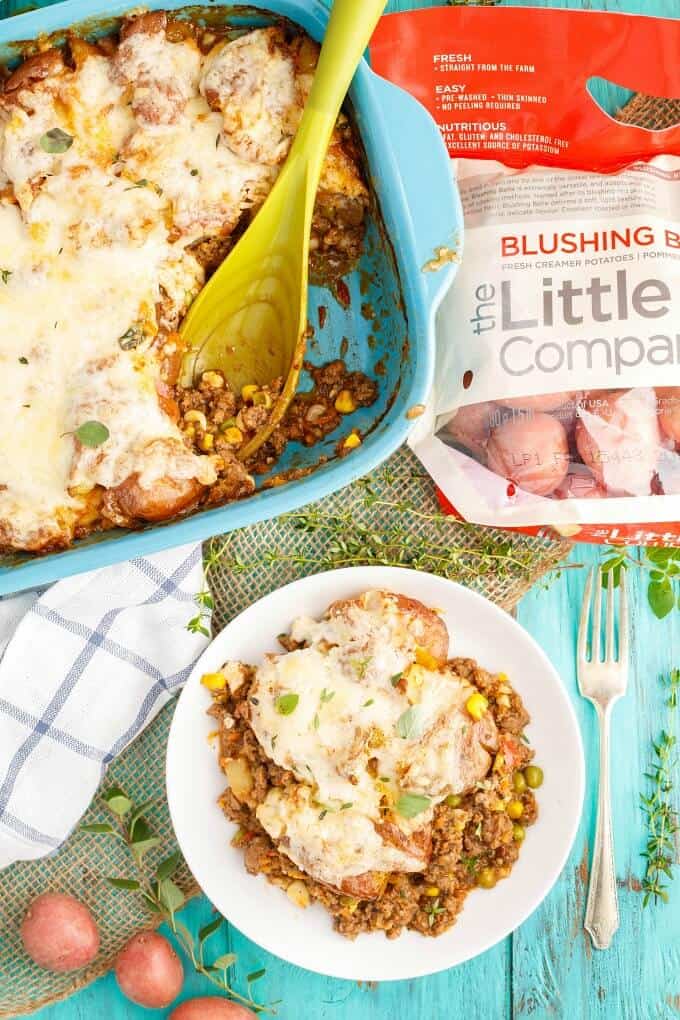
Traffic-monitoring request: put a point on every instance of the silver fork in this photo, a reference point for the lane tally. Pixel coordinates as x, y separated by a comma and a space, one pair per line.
603, 682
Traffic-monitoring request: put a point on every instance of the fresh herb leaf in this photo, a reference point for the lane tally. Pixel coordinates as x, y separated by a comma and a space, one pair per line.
286, 704
322, 814
395, 679
23, 361
360, 666
225, 961
5, 275
131, 338
316, 721
326, 696
97, 827
92, 434
194, 172
256, 975
349, 804
170, 896
143, 183
367, 704
410, 724
209, 929
661, 597
129, 884
117, 801
411, 804
55, 141
169, 866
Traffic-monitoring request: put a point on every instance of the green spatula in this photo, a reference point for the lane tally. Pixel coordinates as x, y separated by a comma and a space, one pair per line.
251, 318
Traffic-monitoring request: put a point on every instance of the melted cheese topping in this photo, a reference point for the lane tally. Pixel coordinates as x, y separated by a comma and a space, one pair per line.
352, 709
252, 81
94, 240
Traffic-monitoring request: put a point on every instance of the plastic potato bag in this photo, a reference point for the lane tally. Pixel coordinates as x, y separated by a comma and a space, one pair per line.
557, 396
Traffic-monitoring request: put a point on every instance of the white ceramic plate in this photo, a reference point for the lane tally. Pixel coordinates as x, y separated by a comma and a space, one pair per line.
478, 629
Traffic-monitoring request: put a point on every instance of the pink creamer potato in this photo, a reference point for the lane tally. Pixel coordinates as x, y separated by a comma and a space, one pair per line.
669, 411
471, 426
59, 933
149, 971
618, 437
542, 402
532, 452
211, 1008
580, 485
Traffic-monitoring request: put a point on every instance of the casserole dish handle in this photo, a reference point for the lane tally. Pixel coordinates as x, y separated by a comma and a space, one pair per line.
424, 167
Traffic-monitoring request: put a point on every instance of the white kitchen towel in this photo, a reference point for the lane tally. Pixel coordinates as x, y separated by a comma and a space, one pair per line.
87, 664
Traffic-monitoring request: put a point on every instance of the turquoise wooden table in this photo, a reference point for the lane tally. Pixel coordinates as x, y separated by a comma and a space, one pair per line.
547, 968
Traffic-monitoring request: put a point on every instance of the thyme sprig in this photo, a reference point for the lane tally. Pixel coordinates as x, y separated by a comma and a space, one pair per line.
204, 600
660, 815
162, 895
392, 539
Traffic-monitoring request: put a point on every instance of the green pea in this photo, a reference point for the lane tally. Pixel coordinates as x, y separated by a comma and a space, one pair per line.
454, 800
534, 776
518, 833
519, 783
486, 878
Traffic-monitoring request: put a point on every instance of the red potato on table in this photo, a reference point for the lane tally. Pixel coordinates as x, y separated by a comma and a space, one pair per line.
532, 452
211, 1008
580, 484
149, 971
618, 438
59, 933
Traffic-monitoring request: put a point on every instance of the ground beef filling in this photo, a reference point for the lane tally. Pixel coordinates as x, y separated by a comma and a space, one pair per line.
216, 420
474, 840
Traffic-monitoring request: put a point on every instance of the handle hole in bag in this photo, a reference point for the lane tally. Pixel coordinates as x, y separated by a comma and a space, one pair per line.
652, 113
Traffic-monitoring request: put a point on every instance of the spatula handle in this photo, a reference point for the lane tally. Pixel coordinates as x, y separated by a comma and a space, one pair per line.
349, 31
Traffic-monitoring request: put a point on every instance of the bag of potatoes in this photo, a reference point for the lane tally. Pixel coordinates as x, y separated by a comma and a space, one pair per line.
556, 405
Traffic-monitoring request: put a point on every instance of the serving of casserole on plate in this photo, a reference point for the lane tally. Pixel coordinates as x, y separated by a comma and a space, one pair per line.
372, 773
381, 767
132, 156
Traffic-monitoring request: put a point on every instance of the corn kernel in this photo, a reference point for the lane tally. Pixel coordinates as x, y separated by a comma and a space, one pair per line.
298, 893
262, 399
207, 442
432, 891
214, 681
352, 442
476, 706
425, 658
233, 436
215, 380
345, 403
198, 417
190, 431
248, 392
502, 677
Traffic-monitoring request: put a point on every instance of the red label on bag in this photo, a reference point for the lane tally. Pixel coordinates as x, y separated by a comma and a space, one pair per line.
511, 84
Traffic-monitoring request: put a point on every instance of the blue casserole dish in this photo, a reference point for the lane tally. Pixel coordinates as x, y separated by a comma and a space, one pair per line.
416, 211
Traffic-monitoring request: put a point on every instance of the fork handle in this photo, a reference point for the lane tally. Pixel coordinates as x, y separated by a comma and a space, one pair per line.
602, 909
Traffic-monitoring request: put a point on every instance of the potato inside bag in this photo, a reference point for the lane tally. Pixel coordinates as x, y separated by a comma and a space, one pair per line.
557, 396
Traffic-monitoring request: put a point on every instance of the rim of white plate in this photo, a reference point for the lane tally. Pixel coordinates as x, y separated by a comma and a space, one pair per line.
263, 912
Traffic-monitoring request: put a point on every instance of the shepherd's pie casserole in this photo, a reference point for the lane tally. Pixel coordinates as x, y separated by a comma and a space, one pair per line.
127, 170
